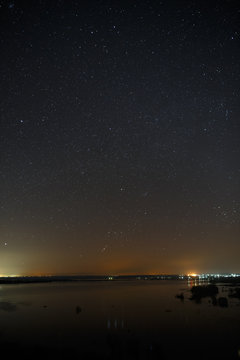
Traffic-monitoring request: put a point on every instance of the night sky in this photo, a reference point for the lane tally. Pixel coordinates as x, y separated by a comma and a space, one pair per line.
119, 138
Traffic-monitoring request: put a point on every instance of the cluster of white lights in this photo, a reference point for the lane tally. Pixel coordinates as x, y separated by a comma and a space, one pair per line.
206, 276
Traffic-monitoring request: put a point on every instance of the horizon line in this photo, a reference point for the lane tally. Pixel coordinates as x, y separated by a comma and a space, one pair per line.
118, 275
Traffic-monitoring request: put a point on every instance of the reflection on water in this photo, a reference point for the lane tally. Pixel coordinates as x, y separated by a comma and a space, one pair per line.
116, 324
117, 320
195, 282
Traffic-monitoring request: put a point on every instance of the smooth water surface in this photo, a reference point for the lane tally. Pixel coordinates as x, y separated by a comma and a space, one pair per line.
117, 319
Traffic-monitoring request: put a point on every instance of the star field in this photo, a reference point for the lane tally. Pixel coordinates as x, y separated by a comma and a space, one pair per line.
119, 137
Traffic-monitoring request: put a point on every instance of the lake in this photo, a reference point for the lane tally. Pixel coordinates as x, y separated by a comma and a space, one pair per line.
116, 320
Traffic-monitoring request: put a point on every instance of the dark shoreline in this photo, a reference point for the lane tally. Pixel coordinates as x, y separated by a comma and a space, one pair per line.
47, 279
231, 281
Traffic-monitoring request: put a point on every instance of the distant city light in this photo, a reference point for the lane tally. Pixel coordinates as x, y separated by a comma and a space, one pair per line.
207, 276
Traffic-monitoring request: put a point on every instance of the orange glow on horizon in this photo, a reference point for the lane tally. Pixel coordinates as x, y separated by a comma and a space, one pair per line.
193, 274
